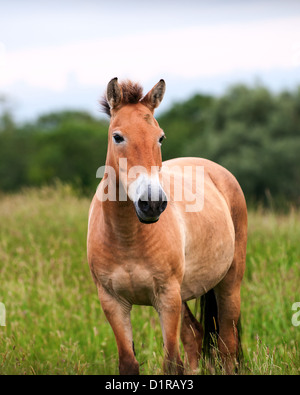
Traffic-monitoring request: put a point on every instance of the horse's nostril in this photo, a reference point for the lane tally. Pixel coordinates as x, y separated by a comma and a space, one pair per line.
163, 206
143, 205
151, 208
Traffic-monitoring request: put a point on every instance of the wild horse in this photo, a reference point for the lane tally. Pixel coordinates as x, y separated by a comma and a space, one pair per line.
148, 245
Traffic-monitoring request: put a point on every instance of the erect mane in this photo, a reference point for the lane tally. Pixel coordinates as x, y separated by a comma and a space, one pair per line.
132, 93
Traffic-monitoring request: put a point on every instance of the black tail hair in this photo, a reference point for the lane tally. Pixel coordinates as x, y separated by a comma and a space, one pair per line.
209, 321
210, 324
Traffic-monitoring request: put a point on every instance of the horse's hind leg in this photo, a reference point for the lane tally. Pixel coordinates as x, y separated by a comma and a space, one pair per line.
169, 309
229, 299
191, 337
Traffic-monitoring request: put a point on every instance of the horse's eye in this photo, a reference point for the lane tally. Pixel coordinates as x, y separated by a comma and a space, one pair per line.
118, 138
161, 139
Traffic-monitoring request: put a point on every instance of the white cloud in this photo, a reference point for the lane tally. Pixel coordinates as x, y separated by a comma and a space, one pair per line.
184, 53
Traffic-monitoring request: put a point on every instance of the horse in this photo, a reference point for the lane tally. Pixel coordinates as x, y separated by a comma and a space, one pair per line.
147, 247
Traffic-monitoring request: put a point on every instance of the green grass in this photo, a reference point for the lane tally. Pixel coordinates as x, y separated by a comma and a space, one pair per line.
55, 324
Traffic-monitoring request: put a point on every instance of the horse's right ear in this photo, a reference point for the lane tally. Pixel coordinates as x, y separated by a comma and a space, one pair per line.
113, 94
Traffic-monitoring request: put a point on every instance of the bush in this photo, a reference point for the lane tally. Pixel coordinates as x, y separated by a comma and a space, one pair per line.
251, 131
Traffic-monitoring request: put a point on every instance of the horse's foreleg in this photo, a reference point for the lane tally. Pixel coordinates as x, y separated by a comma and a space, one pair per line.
169, 308
191, 337
118, 315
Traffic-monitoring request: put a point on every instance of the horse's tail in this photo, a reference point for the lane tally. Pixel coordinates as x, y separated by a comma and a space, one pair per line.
210, 324
209, 321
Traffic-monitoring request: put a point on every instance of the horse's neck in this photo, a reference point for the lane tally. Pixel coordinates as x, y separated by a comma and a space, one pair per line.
119, 216
122, 222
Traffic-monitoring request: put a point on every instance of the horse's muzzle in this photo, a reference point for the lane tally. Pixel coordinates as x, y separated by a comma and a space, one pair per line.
148, 210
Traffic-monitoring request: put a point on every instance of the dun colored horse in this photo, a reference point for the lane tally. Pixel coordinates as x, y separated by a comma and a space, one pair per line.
148, 247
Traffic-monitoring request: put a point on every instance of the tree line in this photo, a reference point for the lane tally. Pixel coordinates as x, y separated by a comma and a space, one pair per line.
251, 131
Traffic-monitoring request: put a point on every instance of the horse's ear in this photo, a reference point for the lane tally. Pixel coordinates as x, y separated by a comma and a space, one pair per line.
113, 94
153, 98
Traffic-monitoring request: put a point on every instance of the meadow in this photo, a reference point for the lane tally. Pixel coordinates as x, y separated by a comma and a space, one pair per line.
54, 321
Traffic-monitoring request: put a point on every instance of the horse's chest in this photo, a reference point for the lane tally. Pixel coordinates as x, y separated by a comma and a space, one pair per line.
131, 284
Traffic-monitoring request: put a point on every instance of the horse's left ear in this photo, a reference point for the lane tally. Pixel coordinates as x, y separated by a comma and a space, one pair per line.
154, 97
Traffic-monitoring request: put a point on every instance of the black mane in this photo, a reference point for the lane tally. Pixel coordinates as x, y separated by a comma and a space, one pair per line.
132, 93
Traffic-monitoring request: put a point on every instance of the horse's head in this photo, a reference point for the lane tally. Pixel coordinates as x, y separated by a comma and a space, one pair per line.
134, 147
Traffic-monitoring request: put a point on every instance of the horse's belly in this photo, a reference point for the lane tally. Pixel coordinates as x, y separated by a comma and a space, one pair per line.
203, 271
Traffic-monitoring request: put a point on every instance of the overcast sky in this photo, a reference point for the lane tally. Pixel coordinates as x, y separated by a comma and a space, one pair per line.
61, 54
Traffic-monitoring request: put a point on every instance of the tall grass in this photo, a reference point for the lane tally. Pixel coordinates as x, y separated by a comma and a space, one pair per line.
55, 324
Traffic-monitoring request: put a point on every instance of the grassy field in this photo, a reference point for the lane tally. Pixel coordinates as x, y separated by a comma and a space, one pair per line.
54, 322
